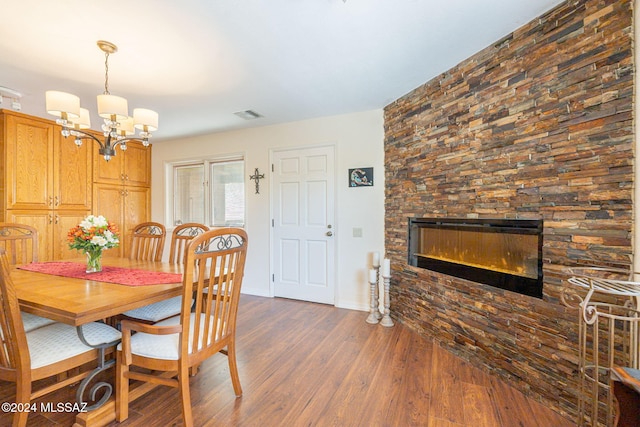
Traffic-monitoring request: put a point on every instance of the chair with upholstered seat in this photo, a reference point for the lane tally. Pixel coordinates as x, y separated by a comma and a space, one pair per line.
155, 312
171, 347
44, 352
147, 241
20, 243
180, 238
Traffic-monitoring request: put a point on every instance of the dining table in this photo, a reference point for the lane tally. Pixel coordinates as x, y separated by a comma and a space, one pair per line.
64, 292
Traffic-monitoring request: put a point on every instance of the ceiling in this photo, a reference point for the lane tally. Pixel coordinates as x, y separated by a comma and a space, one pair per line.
198, 62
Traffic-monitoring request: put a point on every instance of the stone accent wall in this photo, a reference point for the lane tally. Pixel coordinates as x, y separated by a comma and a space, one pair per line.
538, 125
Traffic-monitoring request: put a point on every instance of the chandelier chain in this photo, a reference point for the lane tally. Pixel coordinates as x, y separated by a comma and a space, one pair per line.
106, 73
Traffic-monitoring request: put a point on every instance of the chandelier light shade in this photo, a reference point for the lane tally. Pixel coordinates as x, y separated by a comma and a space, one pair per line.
62, 104
110, 105
118, 127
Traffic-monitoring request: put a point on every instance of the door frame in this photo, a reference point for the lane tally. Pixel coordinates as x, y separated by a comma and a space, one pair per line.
334, 225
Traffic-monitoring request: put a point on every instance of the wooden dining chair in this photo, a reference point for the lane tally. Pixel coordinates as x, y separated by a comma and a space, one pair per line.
20, 243
44, 352
147, 241
180, 238
170, 348
161, 310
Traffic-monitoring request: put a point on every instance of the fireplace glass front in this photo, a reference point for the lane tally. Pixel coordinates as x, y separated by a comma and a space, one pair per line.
502, 253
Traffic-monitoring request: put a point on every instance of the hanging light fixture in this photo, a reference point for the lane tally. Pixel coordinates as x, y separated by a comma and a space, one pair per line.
118, 127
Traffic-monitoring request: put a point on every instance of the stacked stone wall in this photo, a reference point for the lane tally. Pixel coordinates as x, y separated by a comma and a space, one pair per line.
537, 126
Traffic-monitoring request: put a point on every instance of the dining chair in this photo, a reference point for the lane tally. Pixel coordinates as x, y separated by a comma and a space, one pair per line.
161, 310
20, 243
147, 241
45, 352
168, 349
180, 238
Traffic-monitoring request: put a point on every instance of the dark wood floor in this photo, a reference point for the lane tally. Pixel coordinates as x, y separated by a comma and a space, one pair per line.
305, 364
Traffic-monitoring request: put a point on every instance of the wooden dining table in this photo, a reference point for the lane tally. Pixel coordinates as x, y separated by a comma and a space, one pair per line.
77, 301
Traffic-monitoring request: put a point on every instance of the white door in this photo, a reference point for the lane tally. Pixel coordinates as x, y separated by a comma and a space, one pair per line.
303, 224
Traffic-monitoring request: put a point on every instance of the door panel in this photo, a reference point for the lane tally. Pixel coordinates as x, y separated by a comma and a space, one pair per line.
63, 222
29, 156
108, 201
290, 271
303, 224
73, 174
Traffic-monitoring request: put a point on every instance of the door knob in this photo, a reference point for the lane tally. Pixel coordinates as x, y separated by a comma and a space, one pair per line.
329, 233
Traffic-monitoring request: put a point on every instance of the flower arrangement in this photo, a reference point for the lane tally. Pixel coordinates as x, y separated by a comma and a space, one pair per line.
93, 235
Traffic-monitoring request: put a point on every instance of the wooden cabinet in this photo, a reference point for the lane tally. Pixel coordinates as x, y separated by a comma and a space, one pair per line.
52, 227
121, 190
43, 169
125, 206
52, 184
130, 167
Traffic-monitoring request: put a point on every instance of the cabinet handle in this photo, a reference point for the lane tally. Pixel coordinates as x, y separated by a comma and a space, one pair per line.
126, 177
50, 201
122, 176
57, 219
126, 192
50, 219
57, 201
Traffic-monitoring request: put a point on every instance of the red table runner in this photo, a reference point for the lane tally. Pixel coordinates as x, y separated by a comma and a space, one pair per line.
119, 275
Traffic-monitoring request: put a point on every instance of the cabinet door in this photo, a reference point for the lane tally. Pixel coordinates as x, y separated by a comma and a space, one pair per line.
29, 163
137, 164
72, 174
108, 201
63, 221
42, 221
136, 210
110, 172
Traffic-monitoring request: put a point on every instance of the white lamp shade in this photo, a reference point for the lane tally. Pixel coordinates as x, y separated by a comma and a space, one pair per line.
84, 122
126, 127
143, 117
58, 103
110, 105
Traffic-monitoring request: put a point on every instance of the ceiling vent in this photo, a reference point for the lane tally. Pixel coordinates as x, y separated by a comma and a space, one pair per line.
248, 114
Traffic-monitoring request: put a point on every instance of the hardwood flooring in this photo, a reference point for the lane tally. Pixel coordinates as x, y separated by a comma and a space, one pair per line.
305, 364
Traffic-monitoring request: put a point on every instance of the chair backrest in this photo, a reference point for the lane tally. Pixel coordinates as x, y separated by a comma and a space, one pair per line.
15, 365
213, 271
147, 241
20, 242
181, 236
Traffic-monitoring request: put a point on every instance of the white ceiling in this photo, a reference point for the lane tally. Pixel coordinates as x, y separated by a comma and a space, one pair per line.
197, 62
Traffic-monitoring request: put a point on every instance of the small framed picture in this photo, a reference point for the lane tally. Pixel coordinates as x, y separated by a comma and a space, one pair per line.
361, 177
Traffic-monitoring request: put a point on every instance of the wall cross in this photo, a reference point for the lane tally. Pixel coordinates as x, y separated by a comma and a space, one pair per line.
257, 176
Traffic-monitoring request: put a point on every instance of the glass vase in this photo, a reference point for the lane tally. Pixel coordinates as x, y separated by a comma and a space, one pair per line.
94, 261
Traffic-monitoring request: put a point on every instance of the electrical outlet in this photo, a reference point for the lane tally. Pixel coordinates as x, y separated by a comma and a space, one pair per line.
357, 232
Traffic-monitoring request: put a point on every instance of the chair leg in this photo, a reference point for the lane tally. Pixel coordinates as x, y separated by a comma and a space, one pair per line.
233, 368
193, 371
23, 397
122, 388
185, 396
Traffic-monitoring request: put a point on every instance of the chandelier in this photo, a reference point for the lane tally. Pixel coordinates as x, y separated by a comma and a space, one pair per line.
118, 127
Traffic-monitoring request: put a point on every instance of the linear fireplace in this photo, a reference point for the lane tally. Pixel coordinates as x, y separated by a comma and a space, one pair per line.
504, 253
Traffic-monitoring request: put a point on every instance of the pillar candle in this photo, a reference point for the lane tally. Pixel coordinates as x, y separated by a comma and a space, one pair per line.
386, 267
376, 259
373, 276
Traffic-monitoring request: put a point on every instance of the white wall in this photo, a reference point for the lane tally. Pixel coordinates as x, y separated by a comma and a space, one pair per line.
359, 141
